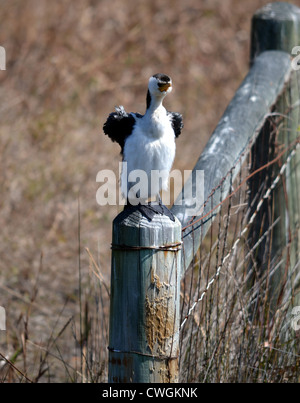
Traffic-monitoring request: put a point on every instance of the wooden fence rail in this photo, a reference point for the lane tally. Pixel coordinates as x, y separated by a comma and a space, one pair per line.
149, 258
227, 147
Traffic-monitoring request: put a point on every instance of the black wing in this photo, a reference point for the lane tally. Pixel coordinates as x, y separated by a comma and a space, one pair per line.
176, 121
119, 126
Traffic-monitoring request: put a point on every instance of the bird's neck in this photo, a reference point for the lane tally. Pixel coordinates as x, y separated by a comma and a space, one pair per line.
154, 104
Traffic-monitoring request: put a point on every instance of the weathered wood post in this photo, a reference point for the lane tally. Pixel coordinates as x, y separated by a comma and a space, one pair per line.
145, 296
277, 27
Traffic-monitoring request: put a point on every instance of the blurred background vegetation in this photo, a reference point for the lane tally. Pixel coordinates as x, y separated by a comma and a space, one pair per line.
68, 65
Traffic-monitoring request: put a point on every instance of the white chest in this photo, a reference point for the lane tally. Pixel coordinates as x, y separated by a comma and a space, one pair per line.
155, 125
152, 143
151, 147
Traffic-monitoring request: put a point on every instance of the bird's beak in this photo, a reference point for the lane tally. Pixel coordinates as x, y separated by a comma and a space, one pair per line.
165, 87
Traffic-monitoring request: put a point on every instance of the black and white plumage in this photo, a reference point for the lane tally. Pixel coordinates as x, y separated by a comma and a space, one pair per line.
147, 142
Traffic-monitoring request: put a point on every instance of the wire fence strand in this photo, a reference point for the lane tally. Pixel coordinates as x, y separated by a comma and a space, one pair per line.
237, 293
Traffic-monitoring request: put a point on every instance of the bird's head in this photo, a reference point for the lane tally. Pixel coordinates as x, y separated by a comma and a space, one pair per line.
160, 85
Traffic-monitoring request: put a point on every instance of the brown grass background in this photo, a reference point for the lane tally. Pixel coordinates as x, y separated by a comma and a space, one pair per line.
68, 65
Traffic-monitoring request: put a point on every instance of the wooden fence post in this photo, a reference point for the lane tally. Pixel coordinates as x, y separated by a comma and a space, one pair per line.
145, 297
277, 27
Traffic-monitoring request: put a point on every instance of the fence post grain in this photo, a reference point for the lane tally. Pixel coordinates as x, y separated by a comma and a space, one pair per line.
145, 296
277, 27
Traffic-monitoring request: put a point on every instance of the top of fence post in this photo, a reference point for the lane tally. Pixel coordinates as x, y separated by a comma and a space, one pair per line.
276, 26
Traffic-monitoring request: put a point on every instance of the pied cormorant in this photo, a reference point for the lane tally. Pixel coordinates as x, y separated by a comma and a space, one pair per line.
147, 144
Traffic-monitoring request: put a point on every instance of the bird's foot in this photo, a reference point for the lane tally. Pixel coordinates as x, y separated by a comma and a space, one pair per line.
167, 212
151, 209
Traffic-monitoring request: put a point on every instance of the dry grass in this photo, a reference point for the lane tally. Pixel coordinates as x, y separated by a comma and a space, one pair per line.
68, 64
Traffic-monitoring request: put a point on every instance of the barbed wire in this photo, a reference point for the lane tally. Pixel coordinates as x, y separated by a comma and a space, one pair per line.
295, 145
191, 223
